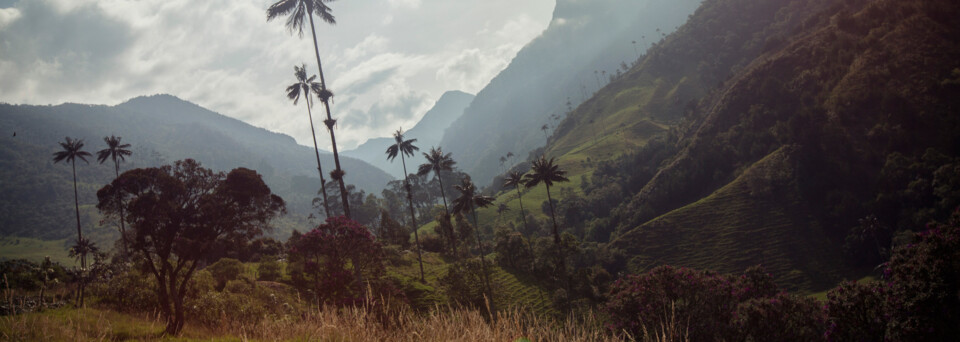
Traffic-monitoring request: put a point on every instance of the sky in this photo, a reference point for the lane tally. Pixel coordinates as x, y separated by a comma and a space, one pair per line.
387, 61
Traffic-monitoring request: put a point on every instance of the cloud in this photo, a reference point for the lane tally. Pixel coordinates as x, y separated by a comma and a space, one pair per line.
387, 62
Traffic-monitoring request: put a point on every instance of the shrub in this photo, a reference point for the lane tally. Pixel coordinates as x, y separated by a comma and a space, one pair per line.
855, 312
269, 269
225, 270
782, 317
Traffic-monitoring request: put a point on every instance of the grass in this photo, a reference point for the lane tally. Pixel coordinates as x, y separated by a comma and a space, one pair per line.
35, 250
328, 324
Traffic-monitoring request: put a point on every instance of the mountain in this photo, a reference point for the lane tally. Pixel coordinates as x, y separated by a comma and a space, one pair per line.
161, 129
586, 43
428, 133
771, 132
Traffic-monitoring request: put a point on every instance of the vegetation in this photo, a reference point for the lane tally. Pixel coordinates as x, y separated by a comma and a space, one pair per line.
305, 86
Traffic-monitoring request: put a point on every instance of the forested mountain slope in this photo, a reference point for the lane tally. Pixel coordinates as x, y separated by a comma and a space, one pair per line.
585, 44
767, 132
38, 200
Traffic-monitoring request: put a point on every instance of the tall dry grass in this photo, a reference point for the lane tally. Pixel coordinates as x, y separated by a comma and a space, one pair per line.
328, 324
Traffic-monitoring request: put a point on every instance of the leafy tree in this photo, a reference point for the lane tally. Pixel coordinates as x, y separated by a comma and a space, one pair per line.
405, 148
297, 11
73, 149
115, 151
515, 179
178, 213
335, 258
303, 87
546, 172
468, 201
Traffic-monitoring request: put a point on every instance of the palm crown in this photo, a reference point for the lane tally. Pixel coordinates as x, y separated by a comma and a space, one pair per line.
114, 150
436, 162
72, 149
297, 10
469, 199
401, 146
303, 86
546, 172
514, 179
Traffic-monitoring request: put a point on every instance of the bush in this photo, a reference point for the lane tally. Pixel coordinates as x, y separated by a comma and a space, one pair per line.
855, 312
705, 301
225, 270
269, 269
782, 317
463, 283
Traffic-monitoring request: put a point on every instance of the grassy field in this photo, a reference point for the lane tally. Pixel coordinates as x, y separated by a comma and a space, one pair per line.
35, 250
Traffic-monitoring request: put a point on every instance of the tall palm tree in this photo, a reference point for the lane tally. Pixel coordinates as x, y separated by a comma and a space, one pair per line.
437, 162
297, 11
515, 179
73, 149
406, 148
117, 152
468, 201
303, 87
546, 172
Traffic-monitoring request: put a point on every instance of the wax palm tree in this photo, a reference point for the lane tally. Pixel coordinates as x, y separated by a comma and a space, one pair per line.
116, 152
303, 87
73, 149
469, 201
297, 11
406, 148
515, 179
546, 172
437, 162
502, 208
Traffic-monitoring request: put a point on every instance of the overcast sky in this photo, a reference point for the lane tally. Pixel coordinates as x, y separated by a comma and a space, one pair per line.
387, 61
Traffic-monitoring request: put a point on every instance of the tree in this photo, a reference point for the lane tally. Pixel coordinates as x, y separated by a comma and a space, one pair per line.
335, 258
468, 201
115, 151
297, 10
303, 87
515, 179
406, 148
546, 172
437, 162
502, 208
178, 213
73, 149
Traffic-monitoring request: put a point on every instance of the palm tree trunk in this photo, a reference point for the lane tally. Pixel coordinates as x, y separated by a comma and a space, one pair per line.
316, 151
329, 122
446, 211
556, 234
483, 267
83, 253
123, 231
413, 215
522, 215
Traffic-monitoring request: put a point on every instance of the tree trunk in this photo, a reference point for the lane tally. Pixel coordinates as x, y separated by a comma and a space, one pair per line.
316, 151
483, 267
123, 231
522, 215
413, 215
446, 211
556, 235
83, 253
329, 122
